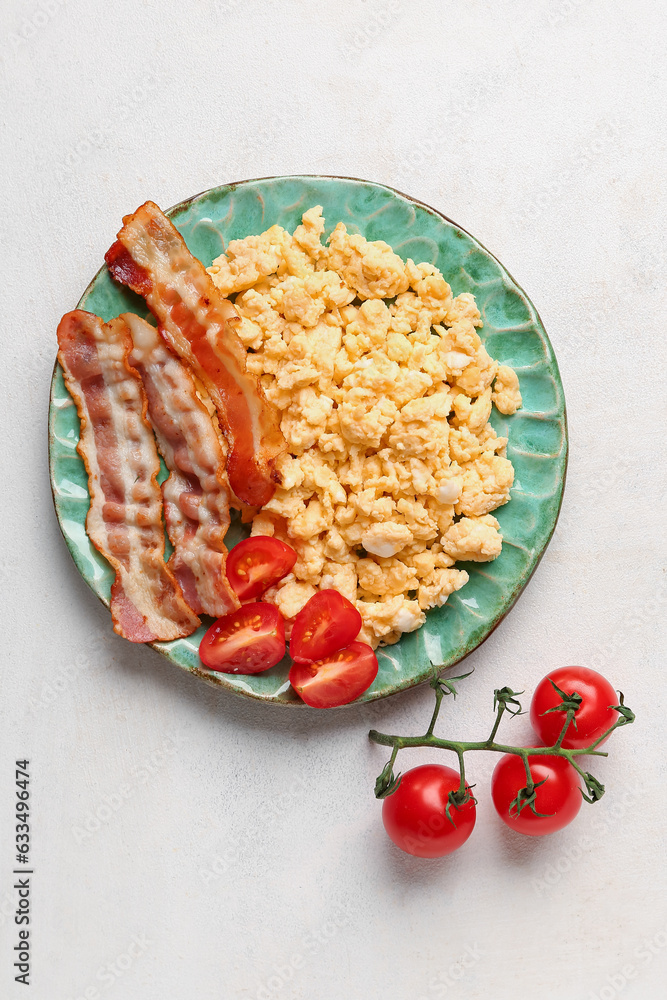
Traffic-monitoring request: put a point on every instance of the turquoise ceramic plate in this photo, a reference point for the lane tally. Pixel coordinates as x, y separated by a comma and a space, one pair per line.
513, 334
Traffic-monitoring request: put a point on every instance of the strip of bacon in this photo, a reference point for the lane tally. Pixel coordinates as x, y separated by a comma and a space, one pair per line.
200, 325
117, 446
196, 496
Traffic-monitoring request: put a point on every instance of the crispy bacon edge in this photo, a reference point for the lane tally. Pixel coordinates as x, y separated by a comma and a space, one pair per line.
196, 495
124, 520
151, 257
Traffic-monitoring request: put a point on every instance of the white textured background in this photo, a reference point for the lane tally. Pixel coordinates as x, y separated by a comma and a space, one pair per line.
242, 836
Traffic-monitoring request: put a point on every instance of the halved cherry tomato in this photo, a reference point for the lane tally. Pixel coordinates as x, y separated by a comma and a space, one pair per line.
593, 718
256, 563
336, 680
246, 641
327, 622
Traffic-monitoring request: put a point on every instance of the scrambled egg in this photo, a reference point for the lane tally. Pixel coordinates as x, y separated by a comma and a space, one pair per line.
385, 390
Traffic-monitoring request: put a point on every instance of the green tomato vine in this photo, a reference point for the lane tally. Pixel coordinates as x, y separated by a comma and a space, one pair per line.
504, 701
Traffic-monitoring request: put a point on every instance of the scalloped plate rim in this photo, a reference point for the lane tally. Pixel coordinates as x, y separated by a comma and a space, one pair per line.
215, 680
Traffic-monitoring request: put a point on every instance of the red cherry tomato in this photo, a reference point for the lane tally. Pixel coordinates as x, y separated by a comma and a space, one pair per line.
337, 679
415, 815
559, 798
594, 716
327, 622
246, 641
256, 563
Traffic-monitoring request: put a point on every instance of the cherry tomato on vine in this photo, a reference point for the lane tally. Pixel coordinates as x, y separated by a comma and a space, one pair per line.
336, 679
246, 641
559, 798
327, 622
256, 563
594, 716
415, 815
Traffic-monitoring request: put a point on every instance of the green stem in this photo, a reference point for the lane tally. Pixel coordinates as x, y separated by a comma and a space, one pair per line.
462, 769
428, 740
439, 695
619, 722
501, 712
574, 764
530, 784
566, 726
503, 696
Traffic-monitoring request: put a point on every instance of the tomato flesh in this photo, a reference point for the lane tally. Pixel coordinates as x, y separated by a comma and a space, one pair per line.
246, 641
256, 563
559, 798
337, 679
415, 815
594, 716
326, 623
